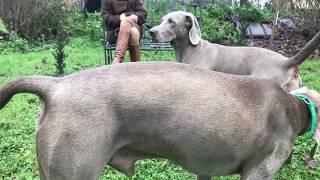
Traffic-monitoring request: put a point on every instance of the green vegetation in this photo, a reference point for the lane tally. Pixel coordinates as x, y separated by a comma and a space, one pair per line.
44, 29
216, 27
3, 28
59, 53
17, 120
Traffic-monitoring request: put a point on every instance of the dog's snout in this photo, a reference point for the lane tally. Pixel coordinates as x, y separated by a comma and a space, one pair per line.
152, 32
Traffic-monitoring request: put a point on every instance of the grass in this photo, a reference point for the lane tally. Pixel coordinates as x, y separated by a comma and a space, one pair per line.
17, 120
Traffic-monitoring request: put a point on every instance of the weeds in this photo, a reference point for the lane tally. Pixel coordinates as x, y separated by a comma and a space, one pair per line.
59, 53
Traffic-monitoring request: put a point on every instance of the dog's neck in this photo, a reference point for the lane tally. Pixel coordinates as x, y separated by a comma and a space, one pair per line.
305, 121
182, 48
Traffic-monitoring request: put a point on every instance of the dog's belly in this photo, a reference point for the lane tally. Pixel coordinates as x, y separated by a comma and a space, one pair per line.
212, 158
124, 159
214, 164
207, 147
207, 164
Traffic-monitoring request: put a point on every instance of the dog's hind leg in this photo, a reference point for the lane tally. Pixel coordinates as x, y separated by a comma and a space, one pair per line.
68, 160
74, 152
269, 165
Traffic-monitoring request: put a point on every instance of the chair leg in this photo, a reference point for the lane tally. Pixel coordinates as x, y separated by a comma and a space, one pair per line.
105, 54
109, 56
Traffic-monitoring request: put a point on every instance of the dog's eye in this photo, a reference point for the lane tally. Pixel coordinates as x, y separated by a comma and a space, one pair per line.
170, 21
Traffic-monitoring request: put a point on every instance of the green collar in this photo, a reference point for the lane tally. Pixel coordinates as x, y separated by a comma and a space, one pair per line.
312, 108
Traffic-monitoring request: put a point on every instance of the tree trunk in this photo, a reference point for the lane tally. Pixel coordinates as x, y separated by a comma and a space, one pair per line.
275, 23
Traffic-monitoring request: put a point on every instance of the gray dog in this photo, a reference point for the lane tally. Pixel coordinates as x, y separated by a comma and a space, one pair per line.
181, 29
210, 123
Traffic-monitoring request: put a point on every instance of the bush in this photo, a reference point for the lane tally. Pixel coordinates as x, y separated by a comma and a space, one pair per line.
36, 19
45, 30
216, 27
42, 30
15, 43
47, 23
17, 14
249, 14
89, 27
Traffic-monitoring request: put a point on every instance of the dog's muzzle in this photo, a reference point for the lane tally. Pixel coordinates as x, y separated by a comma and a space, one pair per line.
153, 35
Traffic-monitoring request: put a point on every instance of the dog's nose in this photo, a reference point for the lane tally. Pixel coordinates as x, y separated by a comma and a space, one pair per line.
152, 32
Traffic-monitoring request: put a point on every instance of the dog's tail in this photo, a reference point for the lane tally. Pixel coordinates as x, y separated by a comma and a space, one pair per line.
305, 52
40, 86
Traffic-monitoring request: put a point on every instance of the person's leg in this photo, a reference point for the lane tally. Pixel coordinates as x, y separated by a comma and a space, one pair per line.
122, 40
134, 45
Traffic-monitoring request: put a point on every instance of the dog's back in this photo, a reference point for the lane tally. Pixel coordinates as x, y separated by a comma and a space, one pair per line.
182, 30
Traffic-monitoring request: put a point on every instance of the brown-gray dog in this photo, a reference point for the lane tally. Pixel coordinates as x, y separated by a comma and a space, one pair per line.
210, 123
181, 29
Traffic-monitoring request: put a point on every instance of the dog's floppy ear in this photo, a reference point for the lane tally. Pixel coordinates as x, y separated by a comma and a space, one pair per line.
195, 32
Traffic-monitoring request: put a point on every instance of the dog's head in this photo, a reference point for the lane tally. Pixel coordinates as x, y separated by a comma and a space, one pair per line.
315, 97
177, 25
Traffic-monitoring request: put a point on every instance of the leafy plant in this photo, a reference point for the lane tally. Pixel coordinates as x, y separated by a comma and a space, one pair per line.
46, 24
89, 27
59, 53
249, 14
14, 43
216, 27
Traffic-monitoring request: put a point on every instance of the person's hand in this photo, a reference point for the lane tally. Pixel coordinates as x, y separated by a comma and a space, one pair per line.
134, 18
122, 16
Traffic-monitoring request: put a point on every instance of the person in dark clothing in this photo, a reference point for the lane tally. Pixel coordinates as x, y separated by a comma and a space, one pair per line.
92, 5
124, 20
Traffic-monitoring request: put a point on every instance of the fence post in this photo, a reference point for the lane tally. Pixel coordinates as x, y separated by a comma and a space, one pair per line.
173, 5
